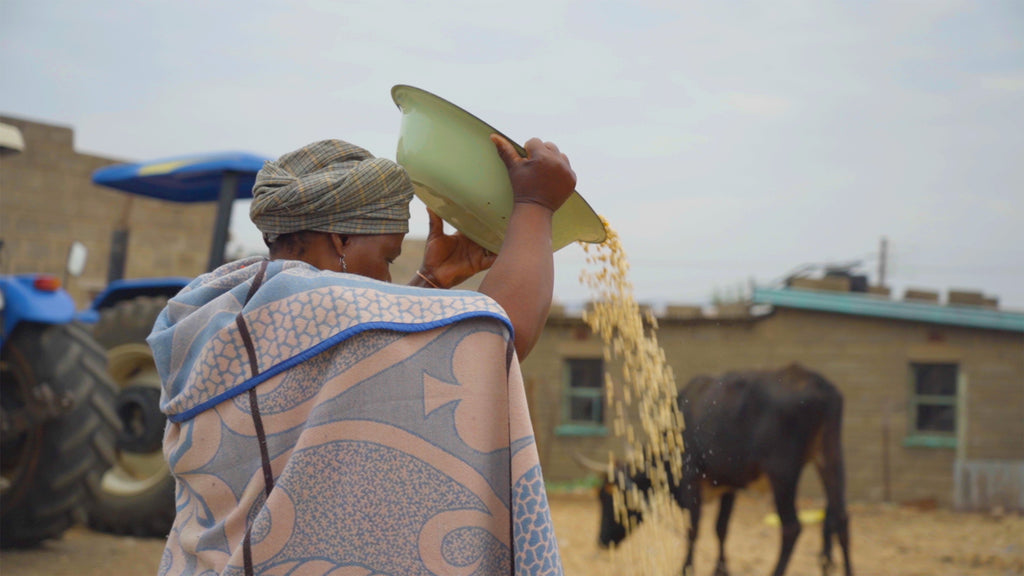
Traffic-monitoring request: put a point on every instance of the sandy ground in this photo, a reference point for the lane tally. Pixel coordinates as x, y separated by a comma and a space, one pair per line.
887, 540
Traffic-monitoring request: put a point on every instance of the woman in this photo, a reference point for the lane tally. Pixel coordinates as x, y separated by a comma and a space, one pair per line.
322, 420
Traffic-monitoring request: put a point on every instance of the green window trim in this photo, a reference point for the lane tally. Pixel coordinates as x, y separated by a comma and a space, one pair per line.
935, 400
926, 441
581, 430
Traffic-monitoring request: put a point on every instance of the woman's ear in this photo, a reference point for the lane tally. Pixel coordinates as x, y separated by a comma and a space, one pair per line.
339, 241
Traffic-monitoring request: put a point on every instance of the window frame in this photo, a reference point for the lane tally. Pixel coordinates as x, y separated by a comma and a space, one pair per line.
918, 438
568, 426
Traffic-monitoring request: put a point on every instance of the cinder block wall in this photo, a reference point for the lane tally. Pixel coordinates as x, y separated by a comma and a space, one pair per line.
47, 201
867, 358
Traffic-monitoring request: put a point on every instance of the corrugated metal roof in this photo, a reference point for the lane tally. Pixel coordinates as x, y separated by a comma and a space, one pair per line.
858, 304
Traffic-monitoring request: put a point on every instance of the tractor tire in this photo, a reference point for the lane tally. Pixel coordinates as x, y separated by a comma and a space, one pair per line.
137, 494
128, 321
52, 468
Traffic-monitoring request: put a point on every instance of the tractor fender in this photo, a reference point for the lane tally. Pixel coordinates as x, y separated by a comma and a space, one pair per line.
21, 301
120, 290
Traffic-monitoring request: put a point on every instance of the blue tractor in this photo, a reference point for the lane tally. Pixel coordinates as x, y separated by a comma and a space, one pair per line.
136, 495
57, 422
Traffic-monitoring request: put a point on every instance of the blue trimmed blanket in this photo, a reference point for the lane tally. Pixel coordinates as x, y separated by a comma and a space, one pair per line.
324, 423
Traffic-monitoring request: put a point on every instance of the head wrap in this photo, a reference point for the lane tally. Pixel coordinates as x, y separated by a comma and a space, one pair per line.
331, 186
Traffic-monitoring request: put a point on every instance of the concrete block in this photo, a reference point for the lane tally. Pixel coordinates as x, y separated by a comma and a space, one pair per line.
965, 298
830, 283
733, 310
880, 291
919, 295
678, 312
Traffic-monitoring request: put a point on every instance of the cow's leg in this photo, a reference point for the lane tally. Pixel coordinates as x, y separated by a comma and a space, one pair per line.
828, 528
721, 528
833, 477
689, 498
784, 489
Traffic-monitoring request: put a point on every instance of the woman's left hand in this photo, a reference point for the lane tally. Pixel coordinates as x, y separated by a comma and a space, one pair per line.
449, 260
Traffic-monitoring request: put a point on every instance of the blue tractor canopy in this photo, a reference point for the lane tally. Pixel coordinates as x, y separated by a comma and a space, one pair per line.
221, 177
195, 178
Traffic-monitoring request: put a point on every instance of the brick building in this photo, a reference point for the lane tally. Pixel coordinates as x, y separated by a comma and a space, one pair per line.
934, 394
48, 201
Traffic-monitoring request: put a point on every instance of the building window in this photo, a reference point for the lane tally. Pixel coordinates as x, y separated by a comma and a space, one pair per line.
583, 401
933, 399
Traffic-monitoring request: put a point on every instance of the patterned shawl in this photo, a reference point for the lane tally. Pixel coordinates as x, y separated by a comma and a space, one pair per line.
324, 423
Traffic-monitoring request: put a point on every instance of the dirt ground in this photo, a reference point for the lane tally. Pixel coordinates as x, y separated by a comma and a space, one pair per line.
886, 540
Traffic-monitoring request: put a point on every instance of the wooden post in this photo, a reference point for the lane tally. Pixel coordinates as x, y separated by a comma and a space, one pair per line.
886, 479
962, 478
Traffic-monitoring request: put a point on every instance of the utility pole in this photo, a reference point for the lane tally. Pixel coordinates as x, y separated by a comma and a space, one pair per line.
883, 255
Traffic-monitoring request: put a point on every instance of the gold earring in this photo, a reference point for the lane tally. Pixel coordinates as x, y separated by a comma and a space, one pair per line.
344, 266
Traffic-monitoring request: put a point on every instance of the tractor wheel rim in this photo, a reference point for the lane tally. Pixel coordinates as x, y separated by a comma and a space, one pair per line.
127, 362
134, 472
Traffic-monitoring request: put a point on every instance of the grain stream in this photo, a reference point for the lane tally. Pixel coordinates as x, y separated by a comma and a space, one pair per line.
642, 398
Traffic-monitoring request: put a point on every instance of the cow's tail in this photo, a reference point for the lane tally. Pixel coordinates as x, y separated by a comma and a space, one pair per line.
833, 476
833, 469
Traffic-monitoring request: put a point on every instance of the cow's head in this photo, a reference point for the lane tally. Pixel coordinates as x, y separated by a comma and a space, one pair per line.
615, 527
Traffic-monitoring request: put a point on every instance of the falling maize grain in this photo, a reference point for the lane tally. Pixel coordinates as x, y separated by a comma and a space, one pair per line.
648, 382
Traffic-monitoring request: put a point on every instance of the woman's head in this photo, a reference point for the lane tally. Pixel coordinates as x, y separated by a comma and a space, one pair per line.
329, 199
368, 255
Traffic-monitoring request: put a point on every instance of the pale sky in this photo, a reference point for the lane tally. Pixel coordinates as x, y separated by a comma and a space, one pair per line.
724, 141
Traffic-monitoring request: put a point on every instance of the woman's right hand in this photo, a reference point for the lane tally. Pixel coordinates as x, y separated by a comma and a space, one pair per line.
522, 277
544, 177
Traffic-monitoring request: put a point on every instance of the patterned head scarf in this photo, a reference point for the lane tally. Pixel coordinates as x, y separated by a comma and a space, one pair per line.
331, 186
